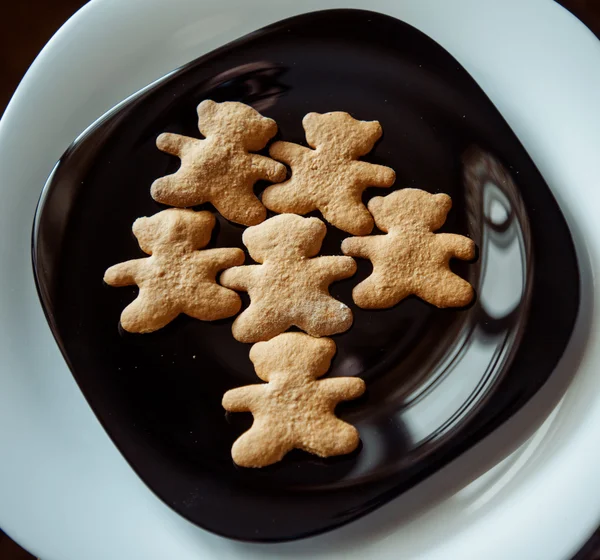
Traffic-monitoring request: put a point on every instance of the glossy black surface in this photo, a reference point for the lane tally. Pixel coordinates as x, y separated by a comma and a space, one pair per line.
438, 380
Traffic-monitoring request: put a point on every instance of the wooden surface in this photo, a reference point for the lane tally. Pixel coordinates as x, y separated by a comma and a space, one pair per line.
26, 26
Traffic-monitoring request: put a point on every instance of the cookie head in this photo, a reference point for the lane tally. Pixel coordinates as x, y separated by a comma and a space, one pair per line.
174, 228
341, 133
410, 206
292, 353
235, 122
285, 235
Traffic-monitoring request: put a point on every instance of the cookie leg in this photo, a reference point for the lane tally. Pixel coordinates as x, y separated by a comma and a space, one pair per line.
325, 318
174, 191
351, 217
376, 293
268, 168
145, 315
287, 197
258, 323
213, 303
259, 447
448, 290
173, 144
345, 439
240, 207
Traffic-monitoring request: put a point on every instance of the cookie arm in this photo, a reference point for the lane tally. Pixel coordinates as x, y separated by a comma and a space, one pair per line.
458, 246
375, 175
218, 259
287, 152
339, 389
242, 399
123, 274
362, 247
239, 278
174, 144
335, 268
267, 168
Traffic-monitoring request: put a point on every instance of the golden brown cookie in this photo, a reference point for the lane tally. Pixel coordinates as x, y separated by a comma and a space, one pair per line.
176, 278
220, 169
289, 288
411, 259
330, 178
293, 410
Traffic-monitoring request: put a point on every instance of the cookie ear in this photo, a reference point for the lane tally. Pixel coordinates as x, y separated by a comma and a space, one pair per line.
443, 204
379, 208
203, 219
145, 232
323, 351
310, 120
316, 231
259, 356
311, 124
373, 132
202, 224
259, 130
207, 112
256, 243
207, 108
375, 205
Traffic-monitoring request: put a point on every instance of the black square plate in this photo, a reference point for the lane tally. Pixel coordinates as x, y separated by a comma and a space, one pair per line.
438, 380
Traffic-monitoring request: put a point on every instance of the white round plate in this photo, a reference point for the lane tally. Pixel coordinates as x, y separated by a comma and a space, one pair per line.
65, 491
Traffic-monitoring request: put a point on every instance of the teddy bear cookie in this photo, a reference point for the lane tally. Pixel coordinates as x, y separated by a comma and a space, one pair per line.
289, 288
294, 409
410, 258
220, 168
177, 277
330, 178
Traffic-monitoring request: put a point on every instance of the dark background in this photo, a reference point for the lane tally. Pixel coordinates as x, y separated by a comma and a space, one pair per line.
27, 25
